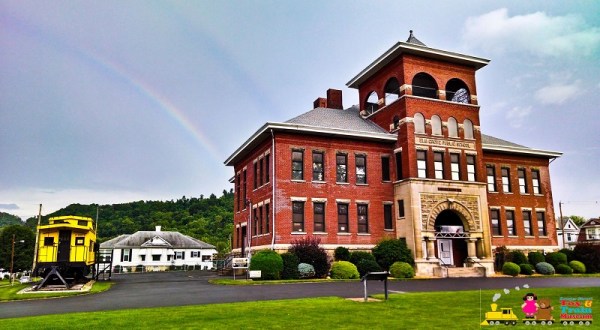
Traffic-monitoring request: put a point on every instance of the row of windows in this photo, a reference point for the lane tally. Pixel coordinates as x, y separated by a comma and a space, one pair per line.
261, 220
436, 126
261, 177
507, 184
510, 227
341, 167
344, 218
439, 168
127, 256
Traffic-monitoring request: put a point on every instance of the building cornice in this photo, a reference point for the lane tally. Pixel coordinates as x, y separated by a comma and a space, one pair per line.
521, 150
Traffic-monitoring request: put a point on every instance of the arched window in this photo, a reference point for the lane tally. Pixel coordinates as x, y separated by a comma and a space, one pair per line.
392, 90
452, 127
436, 125
424, 85
419, 121
468, 128
457, 91
396, 122
372, 103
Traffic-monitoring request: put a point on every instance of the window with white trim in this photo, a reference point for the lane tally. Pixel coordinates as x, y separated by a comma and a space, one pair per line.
535, 178
438, 164
455, 166
522, 180
506, 180
421, 163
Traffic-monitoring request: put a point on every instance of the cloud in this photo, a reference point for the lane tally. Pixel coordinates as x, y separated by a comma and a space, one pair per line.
9, 206
556, 94
517, 115
537, 33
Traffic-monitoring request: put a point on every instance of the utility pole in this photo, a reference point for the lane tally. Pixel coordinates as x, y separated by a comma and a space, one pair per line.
37, 237
12, 260
562, 224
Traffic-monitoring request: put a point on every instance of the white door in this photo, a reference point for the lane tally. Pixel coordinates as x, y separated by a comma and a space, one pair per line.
445, 251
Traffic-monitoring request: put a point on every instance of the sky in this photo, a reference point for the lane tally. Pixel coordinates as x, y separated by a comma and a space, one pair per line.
117, 101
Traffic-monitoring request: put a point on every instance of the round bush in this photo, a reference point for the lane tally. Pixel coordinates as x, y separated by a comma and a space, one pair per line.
309, 251
578, 267
391, 250
400, 269
269, 263
341, 254
569, 253
367, 265
535, 257
290, 266
544, 268
306, 270
357, 256
517, 257
510, 268
564, 269
526, 269
344, 270
556, 258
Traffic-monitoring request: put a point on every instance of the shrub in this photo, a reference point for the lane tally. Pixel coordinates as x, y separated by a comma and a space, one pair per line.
569, 253
400, 269
499, 257
391, 250
309, 251
306, 270
526, 269
290, 266
344, 270
517, 257
510, 268
544, 268
341, 254
564, 269
556, 258
367, 265
578, 267
589, 254
535, 257
269, 263
357, 256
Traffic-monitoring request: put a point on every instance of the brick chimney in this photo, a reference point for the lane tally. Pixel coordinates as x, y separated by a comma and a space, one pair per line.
320, 102
334, 99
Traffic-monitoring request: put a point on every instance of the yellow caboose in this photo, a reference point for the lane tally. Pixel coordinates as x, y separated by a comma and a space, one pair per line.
66, 248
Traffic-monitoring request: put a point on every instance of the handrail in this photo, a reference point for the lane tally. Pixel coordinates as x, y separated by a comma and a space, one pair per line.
442, 263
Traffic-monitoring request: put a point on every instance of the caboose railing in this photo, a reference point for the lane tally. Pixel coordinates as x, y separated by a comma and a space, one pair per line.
77, 253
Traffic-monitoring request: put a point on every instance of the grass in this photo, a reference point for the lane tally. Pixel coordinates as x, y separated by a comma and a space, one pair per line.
429, 310
9, 292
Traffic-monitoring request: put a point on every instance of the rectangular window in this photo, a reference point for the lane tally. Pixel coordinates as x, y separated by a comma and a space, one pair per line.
79, 240
438, 164
506, 180
260, 171
156, 257
256, 175
267, 218
244, 189
455, 166
491, 178
206, 258
195, 254
363, 218
255, 221
267, 164
527, 223
522, 181
471, 175
260, 221
142, 257
319, 217
297, 165
126, 255
421, 163
387, 216
510, 222
399, 175
341, 161
541, 222
342, 218
385, 168
179, 255
361, 169
317, 165
48, 241
298, 216
401, 208
535, 178
238, 191
495, 218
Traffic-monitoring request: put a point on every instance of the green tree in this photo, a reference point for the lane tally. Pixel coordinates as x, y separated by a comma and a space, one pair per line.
7, 219
23, 247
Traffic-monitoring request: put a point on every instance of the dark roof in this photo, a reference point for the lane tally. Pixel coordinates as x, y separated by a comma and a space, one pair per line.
170, 238
413, 40
348, 119
591, 223
487, 139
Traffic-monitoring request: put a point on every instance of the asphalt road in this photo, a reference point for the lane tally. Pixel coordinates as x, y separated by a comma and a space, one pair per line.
192, 288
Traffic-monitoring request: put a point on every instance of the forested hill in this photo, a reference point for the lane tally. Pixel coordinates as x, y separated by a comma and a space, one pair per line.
207, 219
7, 219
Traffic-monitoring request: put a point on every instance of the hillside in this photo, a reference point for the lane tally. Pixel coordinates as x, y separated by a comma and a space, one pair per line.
208, 219
7, 219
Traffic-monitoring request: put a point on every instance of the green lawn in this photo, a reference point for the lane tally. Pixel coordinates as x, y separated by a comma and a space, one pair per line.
431, 310
9, 292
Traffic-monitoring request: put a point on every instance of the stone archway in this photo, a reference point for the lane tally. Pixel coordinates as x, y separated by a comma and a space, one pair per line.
449, 204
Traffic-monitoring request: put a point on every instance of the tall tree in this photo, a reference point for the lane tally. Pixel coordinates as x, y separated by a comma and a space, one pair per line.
24, 244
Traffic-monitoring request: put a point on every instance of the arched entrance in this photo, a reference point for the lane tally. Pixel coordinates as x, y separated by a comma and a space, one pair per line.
451, 235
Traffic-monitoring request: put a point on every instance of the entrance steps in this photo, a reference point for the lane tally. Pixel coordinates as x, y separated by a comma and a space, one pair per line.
459, 272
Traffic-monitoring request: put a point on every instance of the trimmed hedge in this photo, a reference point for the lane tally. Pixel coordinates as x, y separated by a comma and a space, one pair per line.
389, 251
545, 268
569, 253
357, 256
400, 269
578, 267
306, 270
535, 257
290, 266
344, 270
526, 269
556, 258
510, 268
341, 254
269, 263
564, 269
367, 265
516, 257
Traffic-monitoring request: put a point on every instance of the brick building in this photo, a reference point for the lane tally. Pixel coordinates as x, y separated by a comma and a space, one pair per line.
408, 162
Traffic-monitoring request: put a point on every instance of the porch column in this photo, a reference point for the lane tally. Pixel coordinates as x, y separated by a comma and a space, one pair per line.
471, 249
431, 248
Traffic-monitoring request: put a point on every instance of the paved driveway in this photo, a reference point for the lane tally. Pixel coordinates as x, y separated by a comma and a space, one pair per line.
192, 288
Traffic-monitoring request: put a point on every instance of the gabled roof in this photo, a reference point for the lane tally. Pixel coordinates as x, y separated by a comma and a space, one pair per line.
491, 143
591, 223
567, 223
148, 239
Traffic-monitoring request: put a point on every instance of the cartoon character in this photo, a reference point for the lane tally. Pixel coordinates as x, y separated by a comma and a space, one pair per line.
545, 311
530, 305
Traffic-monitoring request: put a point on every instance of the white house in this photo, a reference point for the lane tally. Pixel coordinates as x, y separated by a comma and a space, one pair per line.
570, 232
158, 251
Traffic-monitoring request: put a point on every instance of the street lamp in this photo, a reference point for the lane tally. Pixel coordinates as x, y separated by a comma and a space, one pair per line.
12, 259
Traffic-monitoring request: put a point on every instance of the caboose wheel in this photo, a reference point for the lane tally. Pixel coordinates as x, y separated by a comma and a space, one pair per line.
543, 322
549, 322
527, 322
533, 322
513, 323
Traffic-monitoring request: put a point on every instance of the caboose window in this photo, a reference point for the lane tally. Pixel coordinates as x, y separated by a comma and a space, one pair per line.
48, 241
79, 241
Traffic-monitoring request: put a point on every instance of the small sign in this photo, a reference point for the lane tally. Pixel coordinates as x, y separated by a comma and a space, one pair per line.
255, 274
239, 263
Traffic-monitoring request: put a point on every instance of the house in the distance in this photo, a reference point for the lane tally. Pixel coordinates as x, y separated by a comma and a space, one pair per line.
158, 251
590, 232
570, 231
